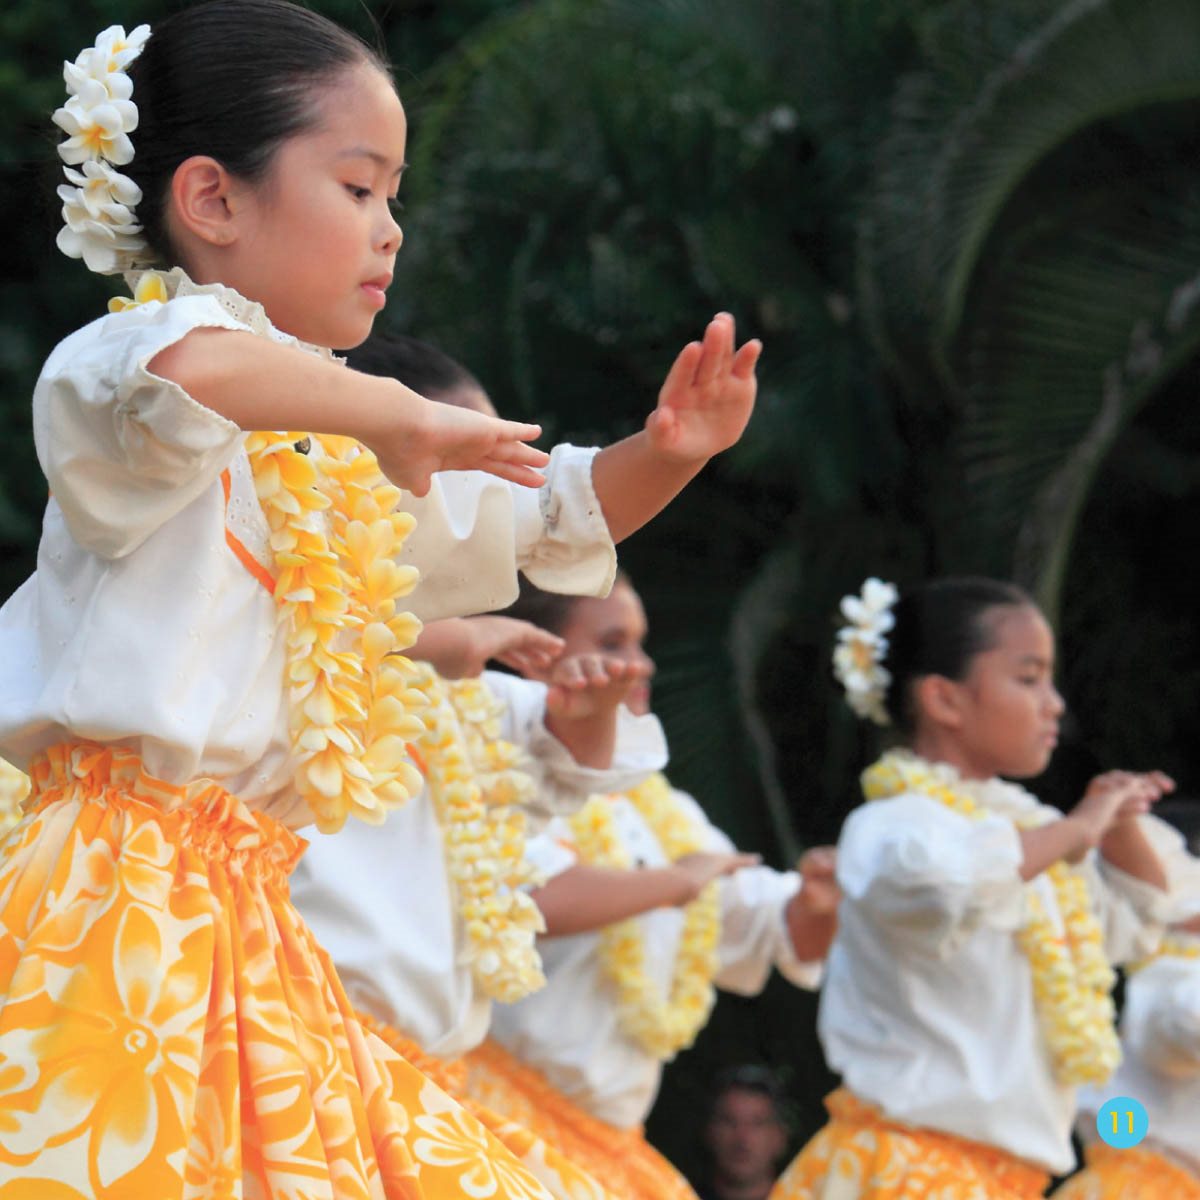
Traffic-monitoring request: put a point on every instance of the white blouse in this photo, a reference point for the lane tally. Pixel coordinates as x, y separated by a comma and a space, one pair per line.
1160, 1040
141, 626
569, 1030
927, 1009
380, 901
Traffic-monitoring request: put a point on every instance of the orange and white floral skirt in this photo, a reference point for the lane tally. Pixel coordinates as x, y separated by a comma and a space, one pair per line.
1137, 1174
630, 1167
563, 1177
860, 1155
169, 1029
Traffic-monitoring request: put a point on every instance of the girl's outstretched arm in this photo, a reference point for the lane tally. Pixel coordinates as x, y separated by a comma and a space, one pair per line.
703, 407
584, 897
262, 385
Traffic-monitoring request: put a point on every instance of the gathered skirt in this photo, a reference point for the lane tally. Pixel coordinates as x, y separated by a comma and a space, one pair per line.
169, 1029
631, 1168
860, 1155
564, 1175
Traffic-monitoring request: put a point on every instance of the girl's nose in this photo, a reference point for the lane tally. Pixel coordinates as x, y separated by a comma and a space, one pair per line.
392, 236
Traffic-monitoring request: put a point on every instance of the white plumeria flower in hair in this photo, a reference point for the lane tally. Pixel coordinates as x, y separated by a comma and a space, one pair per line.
862, 647
99, 224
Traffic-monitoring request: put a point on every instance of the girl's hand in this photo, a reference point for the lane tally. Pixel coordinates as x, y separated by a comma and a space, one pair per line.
696, 871
819, 892
707, 398
428, 437
1118, 796
521, 645
460, 647
585, 686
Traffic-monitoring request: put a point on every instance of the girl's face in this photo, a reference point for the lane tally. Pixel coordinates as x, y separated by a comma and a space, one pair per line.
315, 241
615, 626
1007, 709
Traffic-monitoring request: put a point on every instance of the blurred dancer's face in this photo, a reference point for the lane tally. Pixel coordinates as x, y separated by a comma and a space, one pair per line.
614, 626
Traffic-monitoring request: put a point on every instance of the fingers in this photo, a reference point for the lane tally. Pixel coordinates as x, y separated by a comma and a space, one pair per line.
519, 453
747, 359
717, 350
683, 369
514, 473
520, 431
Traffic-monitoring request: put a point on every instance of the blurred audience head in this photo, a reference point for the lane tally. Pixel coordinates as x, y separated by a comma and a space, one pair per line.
746, 1133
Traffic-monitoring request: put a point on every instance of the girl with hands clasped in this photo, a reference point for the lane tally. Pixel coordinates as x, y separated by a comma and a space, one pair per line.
648, 907
208, 655
967, 991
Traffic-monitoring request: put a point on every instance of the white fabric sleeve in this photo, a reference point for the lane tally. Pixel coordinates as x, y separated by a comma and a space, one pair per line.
754, 935
562, 784
474, 532
1163, 1027
1133, 914
123, 450
921, 870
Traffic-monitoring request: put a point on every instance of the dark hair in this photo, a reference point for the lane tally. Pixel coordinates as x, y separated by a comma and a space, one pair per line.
939, 629
231, 79
549, 610
748, 1077
417, 365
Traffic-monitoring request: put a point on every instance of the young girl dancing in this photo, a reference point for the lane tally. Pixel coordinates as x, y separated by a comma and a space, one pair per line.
637, 940
205, 659
967, 991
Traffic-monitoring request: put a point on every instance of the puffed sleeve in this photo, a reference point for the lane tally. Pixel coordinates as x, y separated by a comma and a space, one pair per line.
754, 934
1161, 1025
475, 532
562, 784
919, 869
123, 449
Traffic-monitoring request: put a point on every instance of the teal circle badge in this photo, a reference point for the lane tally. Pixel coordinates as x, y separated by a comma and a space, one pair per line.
1122, 1122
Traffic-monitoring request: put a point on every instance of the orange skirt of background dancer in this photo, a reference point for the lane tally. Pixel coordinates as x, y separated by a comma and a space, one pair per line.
170, 1030
1138, 1174
564, 1176
860, 1155
630, 1167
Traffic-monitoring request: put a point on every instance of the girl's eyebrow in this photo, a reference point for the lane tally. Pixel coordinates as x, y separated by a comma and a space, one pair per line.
374, 156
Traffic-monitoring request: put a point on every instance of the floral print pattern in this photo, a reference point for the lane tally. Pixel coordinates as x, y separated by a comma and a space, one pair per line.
169, 1028
861, 1156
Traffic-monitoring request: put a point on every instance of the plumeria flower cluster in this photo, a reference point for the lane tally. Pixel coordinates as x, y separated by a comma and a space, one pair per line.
662, 1023
98, 201
862, 647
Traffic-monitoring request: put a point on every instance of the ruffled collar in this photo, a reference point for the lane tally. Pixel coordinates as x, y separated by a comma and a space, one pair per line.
997, 795
250, 313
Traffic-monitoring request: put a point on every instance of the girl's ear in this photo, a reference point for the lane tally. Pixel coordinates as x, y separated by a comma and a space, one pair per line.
939, 700
203, 196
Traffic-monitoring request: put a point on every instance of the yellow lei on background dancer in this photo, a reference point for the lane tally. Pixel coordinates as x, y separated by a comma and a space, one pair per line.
477, 789
661, 1024
1072, 978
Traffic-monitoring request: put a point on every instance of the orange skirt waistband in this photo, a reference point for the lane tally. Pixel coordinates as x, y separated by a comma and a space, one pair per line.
201, 814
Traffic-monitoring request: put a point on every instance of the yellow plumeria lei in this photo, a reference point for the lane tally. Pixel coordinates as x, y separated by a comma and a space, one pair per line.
335, 533
477, 789
661, 1024
14, 787
1072, 977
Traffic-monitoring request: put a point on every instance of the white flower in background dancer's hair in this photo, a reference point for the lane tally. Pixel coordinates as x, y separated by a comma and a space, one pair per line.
862, 647
98, 203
